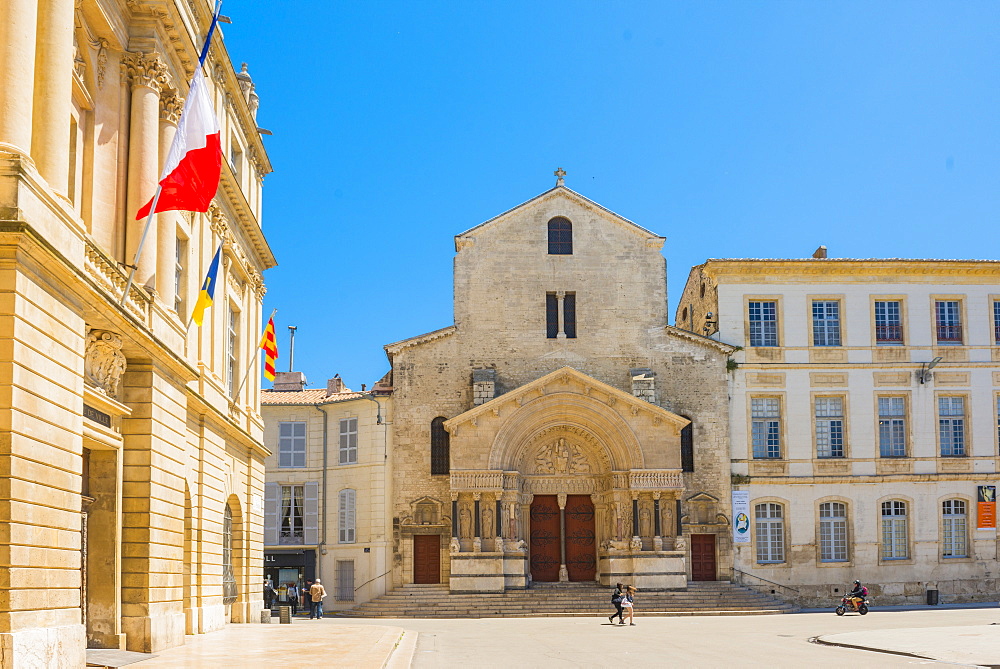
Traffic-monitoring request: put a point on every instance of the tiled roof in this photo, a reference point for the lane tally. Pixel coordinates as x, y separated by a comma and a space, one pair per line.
314, 396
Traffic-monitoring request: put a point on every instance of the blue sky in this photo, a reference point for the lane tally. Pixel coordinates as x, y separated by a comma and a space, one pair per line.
734, 129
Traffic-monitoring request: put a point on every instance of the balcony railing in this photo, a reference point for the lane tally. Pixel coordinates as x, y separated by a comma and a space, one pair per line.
949, 334
889, 334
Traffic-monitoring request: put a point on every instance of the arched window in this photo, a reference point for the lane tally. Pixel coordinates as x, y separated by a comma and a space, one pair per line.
560, 236
229, 591
954, 529
687, 447
833, 532
895, 544
440, 447
770, 533
346, 519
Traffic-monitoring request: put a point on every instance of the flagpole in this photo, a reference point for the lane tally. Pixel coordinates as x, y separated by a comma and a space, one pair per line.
159, 188
256, 359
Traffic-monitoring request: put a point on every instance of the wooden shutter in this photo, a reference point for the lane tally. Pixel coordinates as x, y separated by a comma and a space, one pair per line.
272, 500
311, 520
346, 516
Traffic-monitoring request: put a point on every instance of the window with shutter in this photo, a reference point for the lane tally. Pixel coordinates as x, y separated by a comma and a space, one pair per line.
346, 520
348, 441
272, 497
311, 533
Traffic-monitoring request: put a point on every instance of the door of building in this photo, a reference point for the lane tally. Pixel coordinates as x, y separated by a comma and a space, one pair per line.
544, 545
703, 557
426, 558
581, 549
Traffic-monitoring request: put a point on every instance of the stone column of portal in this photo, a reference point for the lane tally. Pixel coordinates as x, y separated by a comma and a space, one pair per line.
166, 223
563, 573
560, 318
18, 21
477, 522
657, 524
54, 89
147, 76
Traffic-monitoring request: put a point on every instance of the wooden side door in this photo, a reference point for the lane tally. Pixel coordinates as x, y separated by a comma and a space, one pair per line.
581, 544
426, 558
544, 544
703, 557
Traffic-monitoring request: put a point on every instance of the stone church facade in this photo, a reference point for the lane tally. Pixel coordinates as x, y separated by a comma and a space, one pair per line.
560, 430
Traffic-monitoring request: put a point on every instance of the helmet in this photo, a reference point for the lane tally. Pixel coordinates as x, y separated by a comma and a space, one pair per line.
856, 582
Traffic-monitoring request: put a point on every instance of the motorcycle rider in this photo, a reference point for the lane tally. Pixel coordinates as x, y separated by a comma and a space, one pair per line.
858, 595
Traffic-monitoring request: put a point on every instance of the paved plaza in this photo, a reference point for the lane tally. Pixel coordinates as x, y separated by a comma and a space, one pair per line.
938, 637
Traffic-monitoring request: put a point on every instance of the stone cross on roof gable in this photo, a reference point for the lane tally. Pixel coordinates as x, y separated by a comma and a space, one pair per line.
560, 173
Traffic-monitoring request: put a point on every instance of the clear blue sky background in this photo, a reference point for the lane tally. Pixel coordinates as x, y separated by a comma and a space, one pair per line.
734, 129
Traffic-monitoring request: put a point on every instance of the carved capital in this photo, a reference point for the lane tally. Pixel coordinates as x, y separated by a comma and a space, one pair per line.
104, 362
561, 497
146, 70
170, 108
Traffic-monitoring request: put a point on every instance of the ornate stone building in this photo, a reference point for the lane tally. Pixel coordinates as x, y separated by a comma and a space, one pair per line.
864, 421
560, 430
130, 457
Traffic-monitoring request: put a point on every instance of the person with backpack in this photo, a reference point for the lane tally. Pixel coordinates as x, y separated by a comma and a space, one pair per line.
616, 600
858, 595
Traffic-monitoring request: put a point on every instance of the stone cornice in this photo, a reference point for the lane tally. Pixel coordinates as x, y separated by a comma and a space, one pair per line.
396, 347
698, 339
901, 270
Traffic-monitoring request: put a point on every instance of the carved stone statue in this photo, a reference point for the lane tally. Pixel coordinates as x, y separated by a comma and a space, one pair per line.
465, 522
104, 362
645, 522
454, 546
635, 544
477, 545
487, 523
498, 544
680, 543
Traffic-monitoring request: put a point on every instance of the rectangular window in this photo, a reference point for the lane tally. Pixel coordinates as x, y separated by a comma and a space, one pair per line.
346, 517
948, 321
178, 276
232, 347
345, 580
569, 315
894, 540
291, 530
888, 323
954, 539
833, 532
766, 427
996, 322
826, 323
951, 425
763, 318
829, 427
292, 444
348, 441
236, 160
551, 315
770, 534
892, 427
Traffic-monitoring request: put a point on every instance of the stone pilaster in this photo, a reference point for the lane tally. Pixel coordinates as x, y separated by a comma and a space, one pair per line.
53, 84
166, 223
18, 21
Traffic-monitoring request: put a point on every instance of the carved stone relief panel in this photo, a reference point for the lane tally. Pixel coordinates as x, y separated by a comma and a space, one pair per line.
104, 362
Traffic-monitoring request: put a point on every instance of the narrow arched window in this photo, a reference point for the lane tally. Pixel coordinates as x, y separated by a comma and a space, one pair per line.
687, 448
440, 447
560, 236
229, 591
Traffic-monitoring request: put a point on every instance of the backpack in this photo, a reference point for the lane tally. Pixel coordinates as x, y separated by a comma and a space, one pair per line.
617, 598
864, 591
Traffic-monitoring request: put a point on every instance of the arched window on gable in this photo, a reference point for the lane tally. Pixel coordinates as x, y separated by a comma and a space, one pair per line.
440, 447
560, 236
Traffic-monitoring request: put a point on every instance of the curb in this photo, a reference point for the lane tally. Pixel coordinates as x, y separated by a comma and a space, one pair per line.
401, 656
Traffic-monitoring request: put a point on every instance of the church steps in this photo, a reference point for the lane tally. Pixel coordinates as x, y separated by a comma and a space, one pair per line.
714, 598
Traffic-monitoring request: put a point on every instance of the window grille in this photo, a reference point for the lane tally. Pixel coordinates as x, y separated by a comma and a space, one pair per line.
833, 532
766, 427
345, 580
892, 427
895, 545
763, 318
951, 425
440, 447
770, 531
829, 427
826, 323
948, 321
229, 589
560, 236
888, 323
954, 529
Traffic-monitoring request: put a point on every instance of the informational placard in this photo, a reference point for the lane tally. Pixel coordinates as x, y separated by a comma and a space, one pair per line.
741, 516
986, 508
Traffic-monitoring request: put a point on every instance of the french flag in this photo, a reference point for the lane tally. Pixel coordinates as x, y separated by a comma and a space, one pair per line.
191, 173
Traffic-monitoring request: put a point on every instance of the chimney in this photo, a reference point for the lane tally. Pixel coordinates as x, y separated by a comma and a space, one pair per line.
820, 252
289, 381
335, 385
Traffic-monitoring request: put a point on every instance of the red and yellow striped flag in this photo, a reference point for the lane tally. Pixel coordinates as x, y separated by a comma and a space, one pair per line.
270, 347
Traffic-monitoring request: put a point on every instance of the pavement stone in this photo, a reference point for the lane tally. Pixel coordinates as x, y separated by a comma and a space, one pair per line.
977, 645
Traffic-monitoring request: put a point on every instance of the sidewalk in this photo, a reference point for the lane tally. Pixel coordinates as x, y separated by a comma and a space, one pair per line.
303, 643
970, 645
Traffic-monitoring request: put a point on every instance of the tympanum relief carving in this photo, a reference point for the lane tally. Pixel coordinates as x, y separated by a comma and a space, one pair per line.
561, 457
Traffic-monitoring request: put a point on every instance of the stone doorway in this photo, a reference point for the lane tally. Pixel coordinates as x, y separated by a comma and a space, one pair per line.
426, 558
702, 557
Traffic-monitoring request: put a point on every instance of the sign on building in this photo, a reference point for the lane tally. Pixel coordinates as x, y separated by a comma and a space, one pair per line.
986, 509
741, 516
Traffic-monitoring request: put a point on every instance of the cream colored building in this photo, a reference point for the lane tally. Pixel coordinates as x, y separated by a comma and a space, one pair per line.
560, 430
132, 463
326, 506
864, 417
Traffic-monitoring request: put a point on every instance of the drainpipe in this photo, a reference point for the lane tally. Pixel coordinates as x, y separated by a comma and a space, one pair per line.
322, 539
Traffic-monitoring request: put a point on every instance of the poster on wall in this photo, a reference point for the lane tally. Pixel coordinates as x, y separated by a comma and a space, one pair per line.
741, 516
986, 508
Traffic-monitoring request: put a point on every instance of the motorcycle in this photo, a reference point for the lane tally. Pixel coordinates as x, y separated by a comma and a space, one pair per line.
847, 604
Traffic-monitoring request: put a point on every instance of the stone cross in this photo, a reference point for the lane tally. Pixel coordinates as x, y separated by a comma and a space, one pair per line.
560, 173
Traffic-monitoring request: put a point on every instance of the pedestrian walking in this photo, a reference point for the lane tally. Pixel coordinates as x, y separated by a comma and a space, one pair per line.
616, 599
268, 594
293, 597
306, 599
317, 592
627, 605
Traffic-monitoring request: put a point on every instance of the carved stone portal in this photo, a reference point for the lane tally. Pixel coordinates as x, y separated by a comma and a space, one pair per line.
104, 362
560, 457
